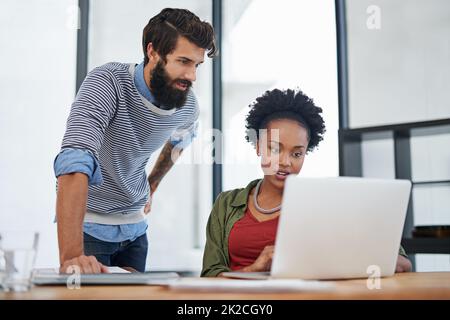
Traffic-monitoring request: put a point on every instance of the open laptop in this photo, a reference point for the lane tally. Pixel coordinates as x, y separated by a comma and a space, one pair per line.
338, 228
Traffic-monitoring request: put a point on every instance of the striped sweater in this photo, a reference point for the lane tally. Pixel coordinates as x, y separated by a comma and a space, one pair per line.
114, 123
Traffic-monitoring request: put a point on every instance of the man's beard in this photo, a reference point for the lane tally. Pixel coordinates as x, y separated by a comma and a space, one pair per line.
162, 88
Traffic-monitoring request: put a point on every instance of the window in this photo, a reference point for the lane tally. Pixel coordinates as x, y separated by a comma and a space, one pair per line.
288, 45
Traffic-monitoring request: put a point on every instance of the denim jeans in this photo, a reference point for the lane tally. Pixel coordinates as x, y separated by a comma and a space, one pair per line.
122, 254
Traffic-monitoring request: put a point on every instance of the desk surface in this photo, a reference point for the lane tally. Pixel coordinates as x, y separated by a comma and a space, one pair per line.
425, 285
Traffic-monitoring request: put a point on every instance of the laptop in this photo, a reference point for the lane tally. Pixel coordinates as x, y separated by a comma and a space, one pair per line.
51, 276
337, 228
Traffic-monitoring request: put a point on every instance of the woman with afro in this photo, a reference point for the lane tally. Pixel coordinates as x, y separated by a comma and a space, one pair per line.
284, 126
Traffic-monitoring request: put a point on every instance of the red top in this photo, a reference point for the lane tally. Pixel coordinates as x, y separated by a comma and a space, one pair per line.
247, 239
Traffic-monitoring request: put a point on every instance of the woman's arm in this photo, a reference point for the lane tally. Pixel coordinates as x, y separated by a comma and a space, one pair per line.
403, 264
215, 260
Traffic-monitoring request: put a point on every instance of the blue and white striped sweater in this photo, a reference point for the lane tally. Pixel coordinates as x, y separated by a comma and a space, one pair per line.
111, 121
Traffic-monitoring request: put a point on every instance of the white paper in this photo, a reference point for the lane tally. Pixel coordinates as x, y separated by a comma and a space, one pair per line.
269, 285
117, 270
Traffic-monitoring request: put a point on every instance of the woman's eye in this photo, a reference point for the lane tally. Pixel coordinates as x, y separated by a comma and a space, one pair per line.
274, 150
298, 154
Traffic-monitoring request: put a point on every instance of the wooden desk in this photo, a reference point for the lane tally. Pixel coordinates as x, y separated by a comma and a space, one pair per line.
424, 285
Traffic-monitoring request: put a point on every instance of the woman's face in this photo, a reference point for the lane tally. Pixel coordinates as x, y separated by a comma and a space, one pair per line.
282, 148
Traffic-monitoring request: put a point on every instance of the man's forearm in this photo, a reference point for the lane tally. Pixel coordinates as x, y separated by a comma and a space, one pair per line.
70, 210
164, 163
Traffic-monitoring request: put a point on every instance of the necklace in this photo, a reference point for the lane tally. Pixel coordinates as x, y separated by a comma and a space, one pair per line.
255, 201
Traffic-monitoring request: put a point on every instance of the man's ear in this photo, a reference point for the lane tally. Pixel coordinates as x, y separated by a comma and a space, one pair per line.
152, 55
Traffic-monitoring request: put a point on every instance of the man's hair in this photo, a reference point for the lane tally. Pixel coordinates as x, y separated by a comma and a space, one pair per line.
164, 29
288, 104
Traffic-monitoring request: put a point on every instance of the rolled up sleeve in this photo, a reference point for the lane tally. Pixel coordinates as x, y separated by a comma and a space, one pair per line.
183, 136
72, 160
402, 252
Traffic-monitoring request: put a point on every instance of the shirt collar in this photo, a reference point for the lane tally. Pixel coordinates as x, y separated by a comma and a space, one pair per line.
141, 86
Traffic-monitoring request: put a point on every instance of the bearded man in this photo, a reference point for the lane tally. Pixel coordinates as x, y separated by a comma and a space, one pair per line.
121, 115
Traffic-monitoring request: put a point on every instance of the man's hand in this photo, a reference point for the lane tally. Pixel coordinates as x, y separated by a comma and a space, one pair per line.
403, 264
263, 262
87, 264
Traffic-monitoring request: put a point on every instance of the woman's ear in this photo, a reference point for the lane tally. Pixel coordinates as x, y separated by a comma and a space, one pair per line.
257, 149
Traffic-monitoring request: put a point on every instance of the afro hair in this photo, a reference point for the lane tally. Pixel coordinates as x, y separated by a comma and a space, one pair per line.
285, 104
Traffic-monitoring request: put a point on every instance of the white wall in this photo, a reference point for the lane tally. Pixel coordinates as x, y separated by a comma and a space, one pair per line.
401, 73
37, 83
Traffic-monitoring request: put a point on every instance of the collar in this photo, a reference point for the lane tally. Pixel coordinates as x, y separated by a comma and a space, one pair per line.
141, 86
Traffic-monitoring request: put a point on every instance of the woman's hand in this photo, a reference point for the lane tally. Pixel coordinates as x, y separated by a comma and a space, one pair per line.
403, 264
263, 262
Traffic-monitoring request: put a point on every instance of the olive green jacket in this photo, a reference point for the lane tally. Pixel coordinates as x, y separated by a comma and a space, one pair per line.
229, 207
